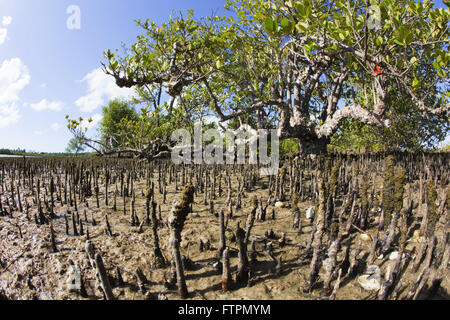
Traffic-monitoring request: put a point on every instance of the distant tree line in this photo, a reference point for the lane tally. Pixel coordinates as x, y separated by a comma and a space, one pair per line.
23, 152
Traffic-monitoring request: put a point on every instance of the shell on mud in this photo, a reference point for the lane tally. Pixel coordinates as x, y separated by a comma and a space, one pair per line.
394, 255
365, 237
280, 204
310, 213
371, 279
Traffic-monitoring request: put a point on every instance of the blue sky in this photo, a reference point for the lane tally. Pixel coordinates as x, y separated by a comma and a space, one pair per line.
48, 70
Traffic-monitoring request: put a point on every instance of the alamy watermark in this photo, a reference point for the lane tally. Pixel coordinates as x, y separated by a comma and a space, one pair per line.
374, 21
242, 146
74, 279
73, 22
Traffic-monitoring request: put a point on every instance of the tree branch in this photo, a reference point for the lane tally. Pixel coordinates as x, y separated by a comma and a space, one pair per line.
354, 111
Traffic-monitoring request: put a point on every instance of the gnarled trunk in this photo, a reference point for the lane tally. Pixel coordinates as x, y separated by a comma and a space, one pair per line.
312, 145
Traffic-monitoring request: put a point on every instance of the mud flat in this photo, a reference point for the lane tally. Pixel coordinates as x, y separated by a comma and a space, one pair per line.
352, 247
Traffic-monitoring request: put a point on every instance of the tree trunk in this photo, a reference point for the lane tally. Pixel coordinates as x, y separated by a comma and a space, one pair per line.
158, 257
311, 145
181, 282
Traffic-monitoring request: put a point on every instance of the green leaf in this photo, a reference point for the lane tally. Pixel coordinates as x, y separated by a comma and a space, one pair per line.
409, 38
302, 26
309, 47
308, 11
269, 25
192, 29
379, 41
436, 66
301, 9
324, 16
290, 3
287, 25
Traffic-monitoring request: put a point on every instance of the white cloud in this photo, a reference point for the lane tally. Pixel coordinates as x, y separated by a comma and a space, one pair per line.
40, 132
96, 118
55, 126
100, 89
6, 21
3, 31
47, 105
14, 77
3, 34
9, 114
43, 86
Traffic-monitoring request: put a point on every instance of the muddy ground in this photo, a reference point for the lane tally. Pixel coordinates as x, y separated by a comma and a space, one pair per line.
30, 271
